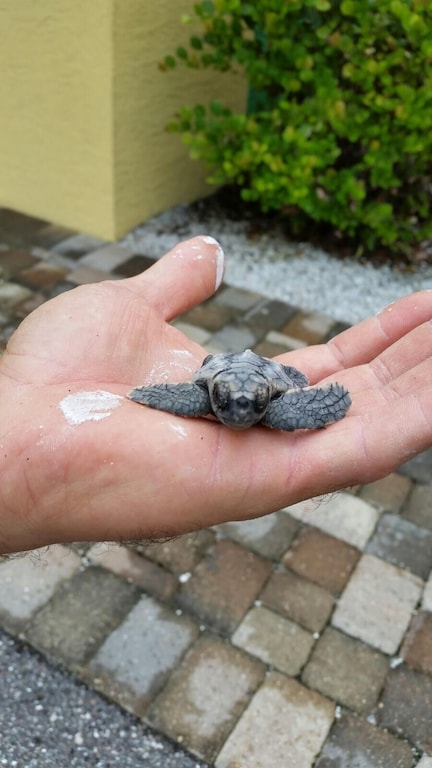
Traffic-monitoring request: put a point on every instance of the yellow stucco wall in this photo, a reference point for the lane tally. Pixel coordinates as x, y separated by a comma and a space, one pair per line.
83, 107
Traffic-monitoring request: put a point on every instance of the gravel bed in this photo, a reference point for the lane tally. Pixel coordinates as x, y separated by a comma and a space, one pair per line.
49, 720
267, 263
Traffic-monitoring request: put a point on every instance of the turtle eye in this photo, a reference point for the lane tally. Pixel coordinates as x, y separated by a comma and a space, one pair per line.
221, 396
206, 359
262, 399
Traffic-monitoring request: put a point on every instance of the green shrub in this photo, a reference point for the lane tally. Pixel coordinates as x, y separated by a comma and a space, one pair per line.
339, 125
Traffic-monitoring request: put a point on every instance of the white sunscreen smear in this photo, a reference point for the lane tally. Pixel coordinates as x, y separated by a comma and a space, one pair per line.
89, 406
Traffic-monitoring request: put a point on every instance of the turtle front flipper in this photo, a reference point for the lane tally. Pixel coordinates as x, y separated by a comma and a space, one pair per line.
310, 408
298, 378
185, 399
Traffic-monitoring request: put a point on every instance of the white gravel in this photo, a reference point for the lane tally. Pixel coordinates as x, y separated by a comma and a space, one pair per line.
297, 273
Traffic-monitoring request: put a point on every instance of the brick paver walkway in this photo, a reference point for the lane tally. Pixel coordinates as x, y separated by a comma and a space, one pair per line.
300, 639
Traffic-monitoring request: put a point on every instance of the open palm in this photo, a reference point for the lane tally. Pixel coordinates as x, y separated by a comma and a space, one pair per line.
138, 473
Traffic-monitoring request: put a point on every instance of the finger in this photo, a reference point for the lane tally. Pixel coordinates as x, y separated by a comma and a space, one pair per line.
365, 446
364, 341
188, 274
392, 432
386, 426
411, 356
409, 384
404, 355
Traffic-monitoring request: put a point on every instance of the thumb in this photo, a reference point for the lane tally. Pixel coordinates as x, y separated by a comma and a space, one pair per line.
189, 273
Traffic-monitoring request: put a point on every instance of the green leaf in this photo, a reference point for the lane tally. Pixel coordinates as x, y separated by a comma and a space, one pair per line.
196, 43
341, 103
169, 62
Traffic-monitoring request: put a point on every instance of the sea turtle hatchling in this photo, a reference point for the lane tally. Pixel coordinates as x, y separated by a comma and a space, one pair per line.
243, 389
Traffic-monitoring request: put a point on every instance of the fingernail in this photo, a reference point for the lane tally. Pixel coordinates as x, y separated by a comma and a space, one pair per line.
387, 308
220, 258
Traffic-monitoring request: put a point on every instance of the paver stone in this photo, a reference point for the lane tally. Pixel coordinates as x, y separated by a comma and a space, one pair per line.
284, 725
354, 743
377, 603
204, 698
136, 658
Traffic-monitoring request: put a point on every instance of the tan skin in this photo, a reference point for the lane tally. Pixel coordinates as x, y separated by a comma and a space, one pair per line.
141, 473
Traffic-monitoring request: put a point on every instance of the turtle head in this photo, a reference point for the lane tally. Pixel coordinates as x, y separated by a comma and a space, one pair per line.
238, 408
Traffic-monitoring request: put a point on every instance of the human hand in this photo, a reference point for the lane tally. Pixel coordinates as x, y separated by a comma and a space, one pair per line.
138, 473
